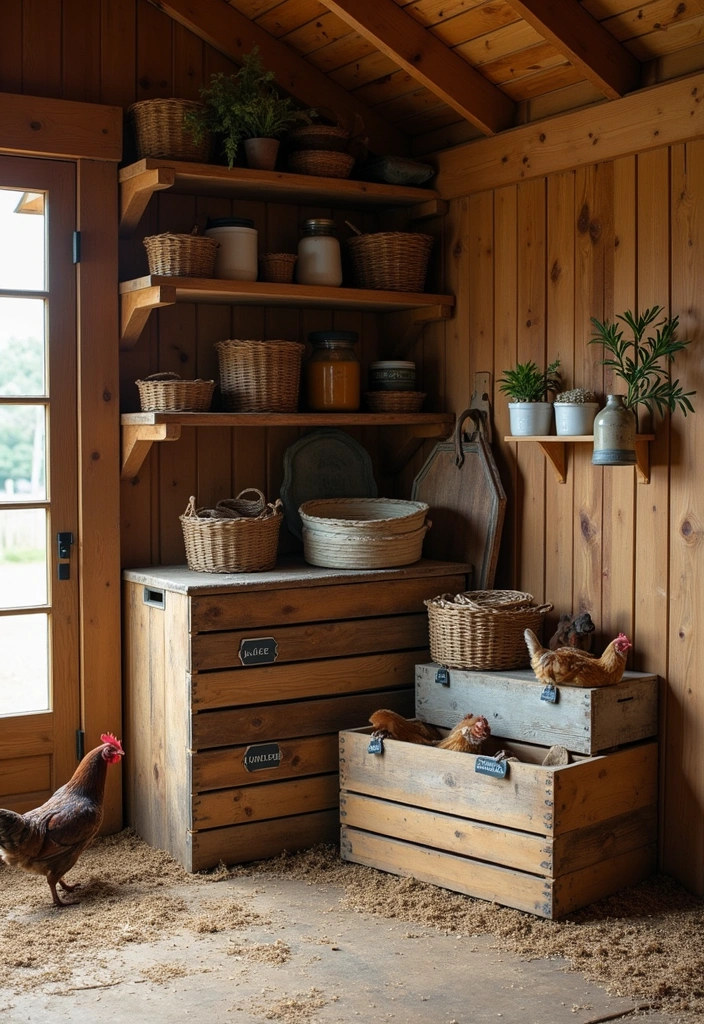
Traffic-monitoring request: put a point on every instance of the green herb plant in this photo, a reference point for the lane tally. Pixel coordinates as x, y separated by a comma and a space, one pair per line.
243, 106
526, 383
642, 361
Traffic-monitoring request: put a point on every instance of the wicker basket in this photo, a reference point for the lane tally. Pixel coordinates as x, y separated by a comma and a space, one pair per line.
161, 133
172, 255
394, 261
164, 392
216, 543
363, 533
320, 136
277, 267
394, 401
483, 629
259, 376
323, 162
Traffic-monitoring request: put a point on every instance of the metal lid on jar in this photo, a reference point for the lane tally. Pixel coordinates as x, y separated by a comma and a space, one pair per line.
315, 337
230, 222
318, 226
393, 364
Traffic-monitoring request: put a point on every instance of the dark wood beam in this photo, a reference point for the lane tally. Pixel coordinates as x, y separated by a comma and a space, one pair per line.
413, 48
585, 42
225, 29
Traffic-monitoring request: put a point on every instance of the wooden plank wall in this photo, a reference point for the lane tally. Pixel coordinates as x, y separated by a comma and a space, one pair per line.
532, 263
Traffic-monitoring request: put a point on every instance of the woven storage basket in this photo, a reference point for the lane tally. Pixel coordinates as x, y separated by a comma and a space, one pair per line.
161, 133
394, 401
363, 533
320, 136
259, 376
277, 266
172, 255
164, 393
483, 629
322, 162
218, 544
395, 261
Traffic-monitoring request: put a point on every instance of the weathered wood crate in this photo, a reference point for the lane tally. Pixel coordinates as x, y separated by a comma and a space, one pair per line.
236, 687
543, 839
585, 720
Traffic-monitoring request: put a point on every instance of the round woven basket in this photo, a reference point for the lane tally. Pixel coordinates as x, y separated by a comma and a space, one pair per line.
483, 629
259, 376
319, 136
277, 267
216, 543
363, 533
394, 401
160, 131
172, 255
175, 395
390, 260
323, 162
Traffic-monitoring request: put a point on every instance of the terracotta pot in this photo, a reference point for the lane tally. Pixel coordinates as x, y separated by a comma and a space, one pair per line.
261, 153
614, 434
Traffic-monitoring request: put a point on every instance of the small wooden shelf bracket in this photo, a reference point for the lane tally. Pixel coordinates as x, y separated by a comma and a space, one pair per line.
136, 192
555, 451
137, 441
135, 309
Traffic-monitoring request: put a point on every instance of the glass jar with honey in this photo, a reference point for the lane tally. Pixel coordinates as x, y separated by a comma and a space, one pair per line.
333, 372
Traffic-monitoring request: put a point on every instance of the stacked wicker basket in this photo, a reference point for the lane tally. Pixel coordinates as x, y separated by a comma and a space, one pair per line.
321, 149
363, 533
238, 535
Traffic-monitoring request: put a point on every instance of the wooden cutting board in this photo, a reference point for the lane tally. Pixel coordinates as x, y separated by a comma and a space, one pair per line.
460, 483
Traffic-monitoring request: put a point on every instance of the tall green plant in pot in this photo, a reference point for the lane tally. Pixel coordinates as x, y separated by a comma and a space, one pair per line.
642, 362
530, 413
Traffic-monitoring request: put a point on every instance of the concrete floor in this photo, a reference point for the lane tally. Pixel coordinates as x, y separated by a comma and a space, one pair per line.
343, 966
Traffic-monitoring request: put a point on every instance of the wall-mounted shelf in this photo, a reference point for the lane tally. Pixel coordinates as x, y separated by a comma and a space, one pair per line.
555, 451
140, 296
141, 180
141, 429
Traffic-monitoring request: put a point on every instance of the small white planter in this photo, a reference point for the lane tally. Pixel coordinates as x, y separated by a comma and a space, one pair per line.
574, 418
530, 419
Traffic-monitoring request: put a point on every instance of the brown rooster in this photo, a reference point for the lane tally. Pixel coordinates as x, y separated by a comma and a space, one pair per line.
468, 735
567, 665
388, 723
49, 839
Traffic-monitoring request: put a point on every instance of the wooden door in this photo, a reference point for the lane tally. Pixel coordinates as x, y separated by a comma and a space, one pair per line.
39, 677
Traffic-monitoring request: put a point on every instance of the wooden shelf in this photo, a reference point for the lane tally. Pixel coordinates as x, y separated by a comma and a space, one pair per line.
555, 450
141, 180
140, 296
141, 429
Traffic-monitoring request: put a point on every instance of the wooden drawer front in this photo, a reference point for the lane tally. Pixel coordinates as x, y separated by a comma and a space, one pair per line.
219, 769
544, 800
261, 723
319, 640
237, 844
289, 682
585, 721
318, 604
266, 800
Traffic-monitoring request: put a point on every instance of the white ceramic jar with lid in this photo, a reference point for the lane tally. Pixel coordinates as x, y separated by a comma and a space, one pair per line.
392, 375
319, 260
237, 256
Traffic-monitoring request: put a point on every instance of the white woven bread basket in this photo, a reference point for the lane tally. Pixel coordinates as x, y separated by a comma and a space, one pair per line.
363, 533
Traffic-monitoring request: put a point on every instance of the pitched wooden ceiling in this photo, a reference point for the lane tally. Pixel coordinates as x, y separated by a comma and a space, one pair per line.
428, 74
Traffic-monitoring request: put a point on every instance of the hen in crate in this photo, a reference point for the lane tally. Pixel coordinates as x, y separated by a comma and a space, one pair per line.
566, 665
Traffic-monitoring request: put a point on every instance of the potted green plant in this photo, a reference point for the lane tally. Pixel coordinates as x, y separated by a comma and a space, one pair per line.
642, 363
574, 412
530, 413
245, 108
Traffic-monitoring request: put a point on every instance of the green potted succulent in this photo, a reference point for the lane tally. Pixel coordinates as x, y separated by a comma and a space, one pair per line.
575, 411
530, 413
246, 109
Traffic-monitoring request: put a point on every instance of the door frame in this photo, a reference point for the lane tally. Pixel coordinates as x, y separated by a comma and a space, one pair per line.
90, 135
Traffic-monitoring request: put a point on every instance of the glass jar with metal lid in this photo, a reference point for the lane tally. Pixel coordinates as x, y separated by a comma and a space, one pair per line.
319, 260
333, 372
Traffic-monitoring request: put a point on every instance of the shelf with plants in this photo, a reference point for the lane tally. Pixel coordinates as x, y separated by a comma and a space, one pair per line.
555, 450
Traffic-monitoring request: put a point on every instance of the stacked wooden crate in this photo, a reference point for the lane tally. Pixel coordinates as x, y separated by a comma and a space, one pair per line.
546, 839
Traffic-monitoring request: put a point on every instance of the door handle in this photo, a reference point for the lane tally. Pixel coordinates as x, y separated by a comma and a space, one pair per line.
63, 552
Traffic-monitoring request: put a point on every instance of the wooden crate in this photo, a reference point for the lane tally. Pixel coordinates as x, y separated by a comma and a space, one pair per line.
543, 839
585, 720
233, 761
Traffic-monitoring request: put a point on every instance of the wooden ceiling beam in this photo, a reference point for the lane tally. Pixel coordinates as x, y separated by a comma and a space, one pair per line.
585, 42
232, 34
413, 48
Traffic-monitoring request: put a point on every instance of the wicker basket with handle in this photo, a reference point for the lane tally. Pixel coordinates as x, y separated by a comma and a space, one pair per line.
483, 629
259, 376
363, 533
394, 261
161, 133
217, 542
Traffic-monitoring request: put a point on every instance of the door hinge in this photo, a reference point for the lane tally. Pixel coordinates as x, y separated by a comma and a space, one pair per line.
76, 246
80, 744
64, 540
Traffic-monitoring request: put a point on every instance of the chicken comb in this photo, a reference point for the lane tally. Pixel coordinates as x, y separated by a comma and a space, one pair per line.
622, 636
107, 737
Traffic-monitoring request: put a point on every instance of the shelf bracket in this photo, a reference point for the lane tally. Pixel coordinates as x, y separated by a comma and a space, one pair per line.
643, 459
407, 326
136, 192
136, 307
403, 455
399, 218
556, 454
137, 440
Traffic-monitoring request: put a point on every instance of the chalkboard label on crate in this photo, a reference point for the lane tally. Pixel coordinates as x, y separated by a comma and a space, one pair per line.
263, 755
488, 766
259, 650
376, 745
